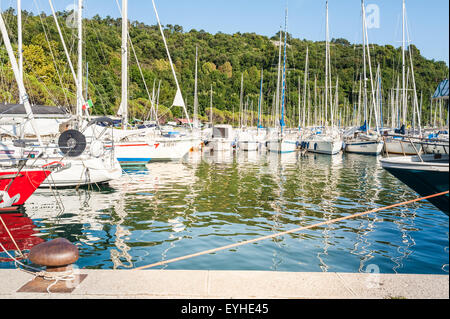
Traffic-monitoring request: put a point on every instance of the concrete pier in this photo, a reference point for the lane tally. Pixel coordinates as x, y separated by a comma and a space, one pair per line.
213, 284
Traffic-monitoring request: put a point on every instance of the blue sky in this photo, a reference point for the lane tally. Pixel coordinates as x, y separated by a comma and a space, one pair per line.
428, 21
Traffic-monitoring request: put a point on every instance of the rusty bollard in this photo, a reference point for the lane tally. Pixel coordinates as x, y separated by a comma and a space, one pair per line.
56, 255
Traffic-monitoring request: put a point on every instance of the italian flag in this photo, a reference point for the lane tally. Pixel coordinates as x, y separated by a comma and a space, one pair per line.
87, 105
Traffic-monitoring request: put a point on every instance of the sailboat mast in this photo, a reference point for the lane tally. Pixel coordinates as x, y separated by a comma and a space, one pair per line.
63, 43
415, 105
19, 80
315, 99
304, 88
299, 105
364, 64
277, 99
125, 63
260, 101
178, 101
403, 64
326, 66
195, 91
19, 41
283, 92
210, 106
80, 60
241, 102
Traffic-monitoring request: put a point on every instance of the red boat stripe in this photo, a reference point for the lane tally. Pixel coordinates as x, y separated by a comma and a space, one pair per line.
125, 145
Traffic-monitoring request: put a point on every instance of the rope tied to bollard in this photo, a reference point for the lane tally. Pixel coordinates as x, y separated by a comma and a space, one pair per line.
46, 275
331, 221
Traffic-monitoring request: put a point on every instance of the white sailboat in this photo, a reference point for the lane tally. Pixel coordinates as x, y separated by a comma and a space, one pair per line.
281, 141
248, 139
172, 145
400, 144
80, 161
127, 152
139, 146
131, 146
326, 140
363, 140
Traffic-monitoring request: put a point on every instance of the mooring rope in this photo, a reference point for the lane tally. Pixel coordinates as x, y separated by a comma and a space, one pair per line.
12, 238
287, 232
46, 275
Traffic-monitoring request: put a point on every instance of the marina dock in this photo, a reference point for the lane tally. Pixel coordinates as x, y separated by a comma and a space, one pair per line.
216, 284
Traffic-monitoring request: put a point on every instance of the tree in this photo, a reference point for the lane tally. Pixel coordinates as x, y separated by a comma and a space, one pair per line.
226, 69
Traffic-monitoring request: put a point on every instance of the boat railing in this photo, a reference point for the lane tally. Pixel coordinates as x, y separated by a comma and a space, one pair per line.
421, 141
417, 138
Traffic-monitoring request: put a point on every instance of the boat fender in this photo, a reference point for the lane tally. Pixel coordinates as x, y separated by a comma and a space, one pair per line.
97, 148
72, 143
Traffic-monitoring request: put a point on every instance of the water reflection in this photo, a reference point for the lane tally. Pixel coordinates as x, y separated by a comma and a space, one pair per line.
24, 235
172, 209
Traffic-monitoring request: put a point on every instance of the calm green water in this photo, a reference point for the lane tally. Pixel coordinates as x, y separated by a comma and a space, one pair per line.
174, 209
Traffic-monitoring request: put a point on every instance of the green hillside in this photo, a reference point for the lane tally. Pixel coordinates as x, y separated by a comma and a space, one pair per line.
222, 60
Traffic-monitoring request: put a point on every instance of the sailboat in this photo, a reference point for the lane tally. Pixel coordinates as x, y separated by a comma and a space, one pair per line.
77, 159
282, 142
399, 142
363, 140
324, 140
172, 145
130, 146
141, 145
249, 139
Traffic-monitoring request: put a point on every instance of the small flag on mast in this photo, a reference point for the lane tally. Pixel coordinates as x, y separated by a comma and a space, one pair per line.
87, 105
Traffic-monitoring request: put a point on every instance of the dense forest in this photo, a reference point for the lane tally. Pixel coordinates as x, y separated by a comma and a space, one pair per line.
223, 60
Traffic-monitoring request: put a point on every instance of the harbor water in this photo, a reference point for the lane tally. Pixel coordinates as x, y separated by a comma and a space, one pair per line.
172, 209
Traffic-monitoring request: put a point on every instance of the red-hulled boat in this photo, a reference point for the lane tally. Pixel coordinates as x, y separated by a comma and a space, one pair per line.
17, 186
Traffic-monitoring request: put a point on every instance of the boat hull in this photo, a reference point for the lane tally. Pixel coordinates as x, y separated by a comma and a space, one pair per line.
168, 150
366, 148
323, 147
22, 186
248, 145
282, 146
221, 145
423, 179
133, 153
80, 172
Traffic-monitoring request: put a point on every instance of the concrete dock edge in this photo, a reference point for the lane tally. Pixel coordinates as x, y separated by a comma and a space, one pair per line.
216, 284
